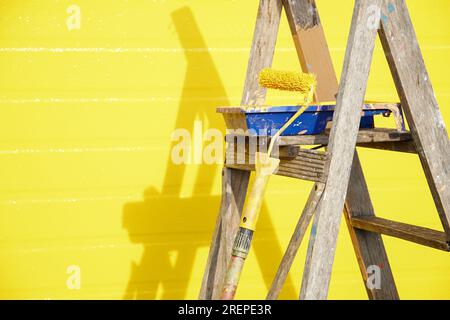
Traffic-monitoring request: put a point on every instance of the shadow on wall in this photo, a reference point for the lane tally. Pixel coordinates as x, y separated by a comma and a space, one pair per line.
171, 228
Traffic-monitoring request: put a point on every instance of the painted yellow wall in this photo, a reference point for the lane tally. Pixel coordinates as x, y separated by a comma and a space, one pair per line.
86, 179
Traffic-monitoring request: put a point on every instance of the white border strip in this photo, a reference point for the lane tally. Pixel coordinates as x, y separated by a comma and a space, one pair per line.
160, 49
131, 50
77, 150
125, 100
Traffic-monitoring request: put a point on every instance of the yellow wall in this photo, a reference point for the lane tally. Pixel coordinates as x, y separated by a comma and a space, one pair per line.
86, 177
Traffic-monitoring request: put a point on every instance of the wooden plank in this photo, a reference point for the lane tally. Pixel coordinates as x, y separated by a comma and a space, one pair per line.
284, 152
312, 49
296, 239
368, 105
368, 246
290, 152
236, 181
424, 236
400, 146
305, 166
342, 144
365, 136
419, 103
285, 171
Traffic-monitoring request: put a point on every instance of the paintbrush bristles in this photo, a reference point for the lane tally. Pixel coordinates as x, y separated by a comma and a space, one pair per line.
287, 80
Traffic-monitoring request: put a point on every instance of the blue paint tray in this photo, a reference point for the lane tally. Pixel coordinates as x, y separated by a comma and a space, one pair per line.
266, 121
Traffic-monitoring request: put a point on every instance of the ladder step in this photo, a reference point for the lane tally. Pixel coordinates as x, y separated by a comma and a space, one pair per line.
399, 146
366, 136
424, 236
310, 165
378, 138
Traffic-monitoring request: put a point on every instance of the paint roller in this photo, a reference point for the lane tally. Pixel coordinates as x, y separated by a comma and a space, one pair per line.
265, 166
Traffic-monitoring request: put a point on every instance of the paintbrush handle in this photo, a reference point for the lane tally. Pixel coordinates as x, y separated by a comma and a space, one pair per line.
264, 168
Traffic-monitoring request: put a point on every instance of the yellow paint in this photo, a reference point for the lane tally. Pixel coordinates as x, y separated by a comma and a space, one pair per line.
86, 178
302, 83
265, 166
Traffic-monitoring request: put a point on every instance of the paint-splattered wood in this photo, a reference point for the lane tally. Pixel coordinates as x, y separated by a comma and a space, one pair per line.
304, 166
424, 236
370, 105
235, 153
246, 154
365, 136
235, 182
342, 145
294, 244
302, 16
419, 103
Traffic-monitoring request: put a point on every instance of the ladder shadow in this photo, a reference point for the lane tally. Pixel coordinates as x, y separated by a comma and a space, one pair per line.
172, 228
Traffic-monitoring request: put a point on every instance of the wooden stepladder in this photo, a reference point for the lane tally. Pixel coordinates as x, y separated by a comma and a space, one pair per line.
342, 186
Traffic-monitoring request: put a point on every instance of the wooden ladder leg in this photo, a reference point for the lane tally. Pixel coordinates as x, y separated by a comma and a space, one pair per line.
234, 190
235, 182
294, 244
342, 145
312, 239
369, 247
314, 56
419, 103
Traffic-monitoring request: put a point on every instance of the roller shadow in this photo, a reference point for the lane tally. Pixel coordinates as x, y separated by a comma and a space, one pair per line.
172, 228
